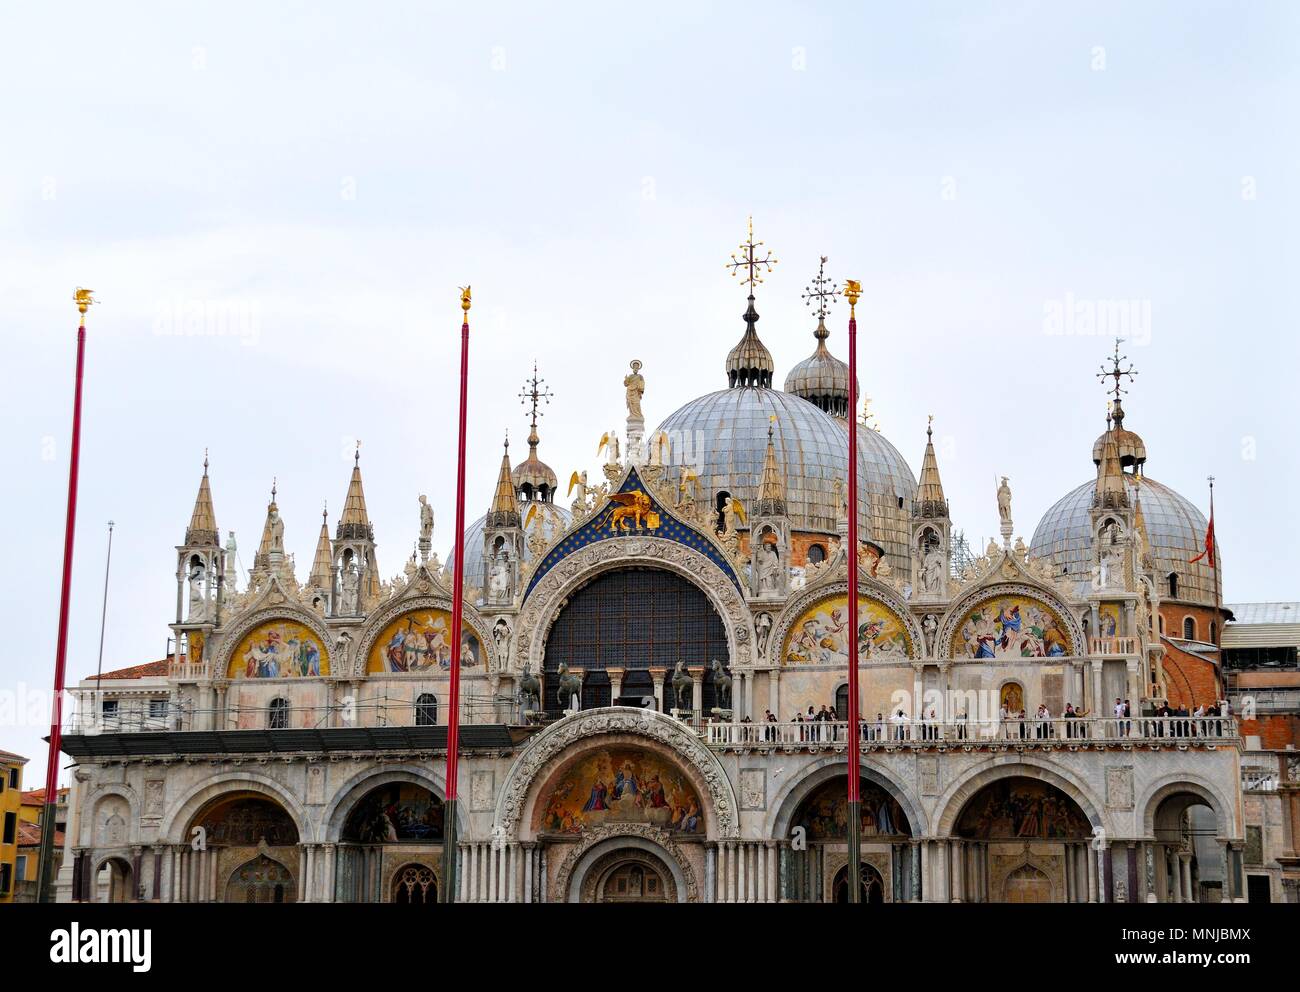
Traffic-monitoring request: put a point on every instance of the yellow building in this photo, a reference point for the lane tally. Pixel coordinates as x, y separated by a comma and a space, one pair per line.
11, 794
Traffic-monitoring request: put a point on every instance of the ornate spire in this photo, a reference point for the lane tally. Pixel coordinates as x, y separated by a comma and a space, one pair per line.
202, 531
749, 362
930, 501
1110, 492
272, 534
771, 488
505, 510
355, 522
533, 478
322, 567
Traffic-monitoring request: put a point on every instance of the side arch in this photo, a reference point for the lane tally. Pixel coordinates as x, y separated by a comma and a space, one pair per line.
787, 801
172, 830
959, 793
352, 791
1168, 785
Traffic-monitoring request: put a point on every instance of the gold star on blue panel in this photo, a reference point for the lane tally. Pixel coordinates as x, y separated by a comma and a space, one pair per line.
598, 529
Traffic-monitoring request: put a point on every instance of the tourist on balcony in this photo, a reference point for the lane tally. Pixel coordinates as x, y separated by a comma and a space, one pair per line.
1042, 727
900, 721
880, 727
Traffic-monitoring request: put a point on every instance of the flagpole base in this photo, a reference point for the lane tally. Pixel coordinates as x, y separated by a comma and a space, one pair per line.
854, 878
449, 851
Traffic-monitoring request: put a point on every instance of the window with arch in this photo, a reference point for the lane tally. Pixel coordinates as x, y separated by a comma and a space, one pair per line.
1173, 585
1189, 628
842, 703
1161, 621
1214, 630
426, 710
277, 714
816, 554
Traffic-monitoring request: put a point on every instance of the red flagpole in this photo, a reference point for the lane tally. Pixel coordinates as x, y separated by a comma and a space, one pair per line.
45, 863
457, 612
851, 292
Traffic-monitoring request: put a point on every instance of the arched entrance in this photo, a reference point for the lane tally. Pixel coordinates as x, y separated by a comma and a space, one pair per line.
819, 872
629, 875
871, 887
1187, 859
250, 852
1021, 839
415, 884
114, 881
633, 618
396, 820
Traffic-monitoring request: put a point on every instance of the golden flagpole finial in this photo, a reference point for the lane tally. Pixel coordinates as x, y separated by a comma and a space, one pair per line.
852, 293
84, 301
465, 301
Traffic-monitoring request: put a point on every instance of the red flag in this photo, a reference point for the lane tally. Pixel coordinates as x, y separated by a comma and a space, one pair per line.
1209, 542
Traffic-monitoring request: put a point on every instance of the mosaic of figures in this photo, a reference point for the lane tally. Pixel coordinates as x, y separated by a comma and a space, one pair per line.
821, 635
396, 813
1108, 620
280, 649
825, 814
620, 785
420, 641
1022, 808
246, 822
1011, 627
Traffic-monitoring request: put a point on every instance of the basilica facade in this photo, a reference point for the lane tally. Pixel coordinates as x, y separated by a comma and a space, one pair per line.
654, 685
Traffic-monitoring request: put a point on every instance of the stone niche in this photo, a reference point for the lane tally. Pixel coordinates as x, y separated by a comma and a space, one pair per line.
1025, 866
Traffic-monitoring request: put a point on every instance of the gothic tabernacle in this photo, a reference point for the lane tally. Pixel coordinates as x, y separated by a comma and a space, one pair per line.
654, 666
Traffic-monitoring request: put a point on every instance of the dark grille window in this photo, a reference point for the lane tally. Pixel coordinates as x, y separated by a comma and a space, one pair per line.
635, 618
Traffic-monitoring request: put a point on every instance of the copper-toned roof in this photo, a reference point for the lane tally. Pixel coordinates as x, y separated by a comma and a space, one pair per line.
149, 669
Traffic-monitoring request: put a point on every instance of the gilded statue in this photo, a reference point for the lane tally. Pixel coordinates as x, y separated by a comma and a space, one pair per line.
634, 383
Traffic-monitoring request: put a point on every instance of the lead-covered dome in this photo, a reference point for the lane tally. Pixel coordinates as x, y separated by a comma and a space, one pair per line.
821, 378
724, 436
1175, 531
552, 519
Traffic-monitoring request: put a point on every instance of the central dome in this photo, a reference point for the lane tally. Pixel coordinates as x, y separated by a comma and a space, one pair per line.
724, 436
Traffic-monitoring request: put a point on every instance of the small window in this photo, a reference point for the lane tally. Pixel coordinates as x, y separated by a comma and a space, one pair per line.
6, 878
11, 827
816, 554
13, 778
277, 717
1213, 630
1189, 628
108, 708
158, 709
426, 710
842, 703
20, 867
1162, 625
1173, 585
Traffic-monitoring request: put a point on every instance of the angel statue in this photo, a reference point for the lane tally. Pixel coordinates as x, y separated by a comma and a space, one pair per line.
688, 487
578, 481
609, 440
733, 512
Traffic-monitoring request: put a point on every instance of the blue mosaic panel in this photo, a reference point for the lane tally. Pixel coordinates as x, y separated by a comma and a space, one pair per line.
597, 529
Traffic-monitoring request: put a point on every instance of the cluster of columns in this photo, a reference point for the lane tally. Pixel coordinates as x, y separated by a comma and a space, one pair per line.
501, 872
743, 871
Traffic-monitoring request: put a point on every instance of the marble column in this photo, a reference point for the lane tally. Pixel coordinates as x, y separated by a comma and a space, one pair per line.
774, 691
615, 683
657, 676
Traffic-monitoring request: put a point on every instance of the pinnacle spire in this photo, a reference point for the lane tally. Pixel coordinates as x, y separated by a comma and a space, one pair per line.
202, 531
272, 533
771, 488
322, 567
1110, 491
930, 500
505, 509
355, 521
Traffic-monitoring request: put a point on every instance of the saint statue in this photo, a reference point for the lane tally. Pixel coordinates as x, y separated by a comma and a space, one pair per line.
763, 626
635, 386
426, 521
1004, 501
351, 588
197, 597
932, 572
276, 526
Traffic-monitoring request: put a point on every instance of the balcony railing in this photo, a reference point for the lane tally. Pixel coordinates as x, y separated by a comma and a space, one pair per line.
929, 733
1113, 645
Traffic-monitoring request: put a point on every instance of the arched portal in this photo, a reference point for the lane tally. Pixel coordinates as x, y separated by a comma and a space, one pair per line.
633, 619
1024, 840
819, 871
114, 882
871, 887
249, 854
629, 875
1187, 859
398, 821
415, 885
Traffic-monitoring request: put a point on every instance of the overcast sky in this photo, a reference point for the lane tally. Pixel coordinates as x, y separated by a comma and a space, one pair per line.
314, 181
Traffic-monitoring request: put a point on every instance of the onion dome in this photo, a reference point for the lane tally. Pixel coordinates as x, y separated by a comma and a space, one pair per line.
202, 531
750, 363
821, 378
1129, 447
532, 478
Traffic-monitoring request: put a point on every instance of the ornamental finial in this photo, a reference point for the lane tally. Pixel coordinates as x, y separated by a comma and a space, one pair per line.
821, 292
84, 300
1116, 372
852, 293
749, 261
465, 301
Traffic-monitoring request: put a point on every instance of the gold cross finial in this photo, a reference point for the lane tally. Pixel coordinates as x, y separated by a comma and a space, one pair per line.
749, 261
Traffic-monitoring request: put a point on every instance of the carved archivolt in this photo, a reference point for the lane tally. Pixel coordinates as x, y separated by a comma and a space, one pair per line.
867, 589
390, 611
610, 831
559, 738
963, 604
550, 594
